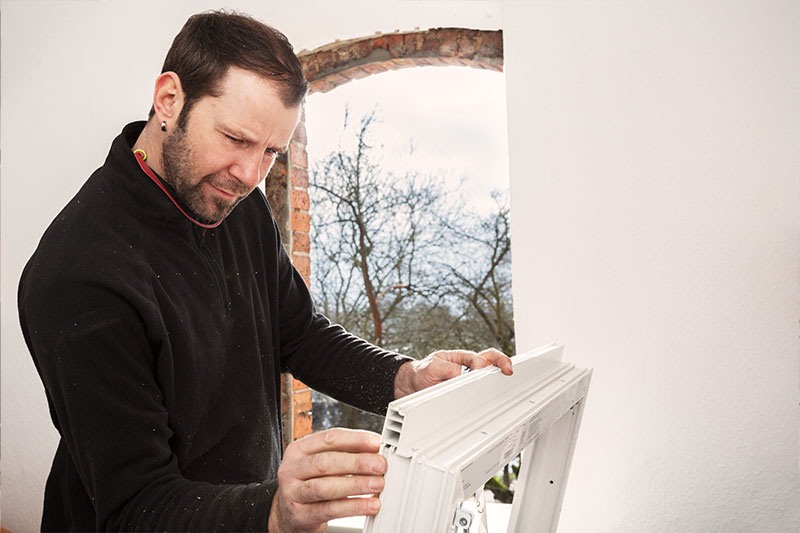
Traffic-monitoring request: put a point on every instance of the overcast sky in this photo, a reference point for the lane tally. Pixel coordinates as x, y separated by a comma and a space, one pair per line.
455, 117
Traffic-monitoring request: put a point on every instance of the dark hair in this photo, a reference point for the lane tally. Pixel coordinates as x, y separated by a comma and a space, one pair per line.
212, 42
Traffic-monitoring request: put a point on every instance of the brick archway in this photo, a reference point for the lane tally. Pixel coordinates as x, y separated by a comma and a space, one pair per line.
326, 68
334, 64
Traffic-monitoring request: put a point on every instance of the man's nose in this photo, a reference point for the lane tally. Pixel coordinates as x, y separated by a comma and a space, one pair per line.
248, 169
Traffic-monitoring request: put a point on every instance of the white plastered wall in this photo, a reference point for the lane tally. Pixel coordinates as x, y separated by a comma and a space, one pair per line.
655, 169
655, 199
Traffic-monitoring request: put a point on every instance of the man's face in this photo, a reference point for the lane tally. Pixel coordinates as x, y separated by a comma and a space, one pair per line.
228, 144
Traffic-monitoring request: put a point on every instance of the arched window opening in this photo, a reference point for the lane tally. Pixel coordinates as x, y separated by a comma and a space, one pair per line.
433, 142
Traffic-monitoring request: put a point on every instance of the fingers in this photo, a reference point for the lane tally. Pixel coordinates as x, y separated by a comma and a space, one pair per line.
287, 516
335, 488
339, 463
334, 452
461, 357
339, 439
474, 360
320, 475
331, 510
446, 364
498, 359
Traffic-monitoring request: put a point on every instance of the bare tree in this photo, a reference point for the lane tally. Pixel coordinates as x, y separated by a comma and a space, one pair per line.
372, 231
373, 235
479, 277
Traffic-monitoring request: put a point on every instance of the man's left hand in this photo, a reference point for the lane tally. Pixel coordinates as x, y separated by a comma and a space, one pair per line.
443, 365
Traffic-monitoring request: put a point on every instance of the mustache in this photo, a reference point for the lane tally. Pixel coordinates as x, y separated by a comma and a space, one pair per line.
228, 184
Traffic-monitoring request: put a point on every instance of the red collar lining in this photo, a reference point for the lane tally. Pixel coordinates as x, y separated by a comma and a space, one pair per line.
147, 170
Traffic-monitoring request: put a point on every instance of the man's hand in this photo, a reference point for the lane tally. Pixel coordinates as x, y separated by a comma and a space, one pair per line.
319, 473
443, 365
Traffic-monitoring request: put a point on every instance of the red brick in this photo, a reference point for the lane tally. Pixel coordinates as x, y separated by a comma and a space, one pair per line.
380, 42
300, 136
302, 426
302, 402
303, 265
456, 62
300, 200
448, 41
396, 48
436, 61
321, 85
323, 60
363, 48
336, 80
344, 54
300, 221
374, 68
310, 67
306, 64
360, 50
355, 73
284, 403
406, 62
299, 177
314, 87
409, 48
277, 174
298, 385
301, 242
430, 41
491, 44
468, 43
298, 155
413, 42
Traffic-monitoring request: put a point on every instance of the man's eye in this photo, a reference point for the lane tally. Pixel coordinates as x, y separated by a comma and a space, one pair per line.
235, 140
271, 151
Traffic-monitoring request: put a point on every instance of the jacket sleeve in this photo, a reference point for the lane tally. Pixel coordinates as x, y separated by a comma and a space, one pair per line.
101, 380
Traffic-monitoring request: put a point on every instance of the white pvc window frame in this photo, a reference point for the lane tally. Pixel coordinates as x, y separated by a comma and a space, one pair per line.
443, 443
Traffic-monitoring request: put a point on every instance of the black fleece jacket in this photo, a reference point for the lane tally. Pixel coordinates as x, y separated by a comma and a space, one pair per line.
160, 346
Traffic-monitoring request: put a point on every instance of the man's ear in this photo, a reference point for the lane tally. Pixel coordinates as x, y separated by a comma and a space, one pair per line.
168, 98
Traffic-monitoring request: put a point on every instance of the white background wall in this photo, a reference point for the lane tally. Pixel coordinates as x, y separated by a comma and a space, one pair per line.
655, 165
655, 207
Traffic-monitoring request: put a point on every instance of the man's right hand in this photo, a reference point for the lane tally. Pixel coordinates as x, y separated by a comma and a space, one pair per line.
318, 475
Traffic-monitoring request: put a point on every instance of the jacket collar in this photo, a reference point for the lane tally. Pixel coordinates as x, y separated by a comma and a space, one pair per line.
135, 188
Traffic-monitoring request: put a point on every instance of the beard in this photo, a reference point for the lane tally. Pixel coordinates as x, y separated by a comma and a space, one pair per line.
177, 157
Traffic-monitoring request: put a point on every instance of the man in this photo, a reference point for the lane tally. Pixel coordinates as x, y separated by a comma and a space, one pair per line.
160, 309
